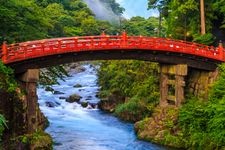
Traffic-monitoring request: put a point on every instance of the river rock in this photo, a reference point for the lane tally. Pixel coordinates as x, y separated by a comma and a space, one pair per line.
58, 92
50, 104
48, 88
73, 98
62, 97
80, 69
93, 105
84, 104
89, 98
97, 95
77, 86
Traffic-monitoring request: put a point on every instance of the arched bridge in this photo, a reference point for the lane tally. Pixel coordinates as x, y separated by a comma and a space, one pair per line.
48, 52
183, 65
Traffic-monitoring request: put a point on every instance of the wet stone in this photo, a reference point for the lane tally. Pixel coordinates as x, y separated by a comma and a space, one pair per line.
73, 98
58, 92
77, 86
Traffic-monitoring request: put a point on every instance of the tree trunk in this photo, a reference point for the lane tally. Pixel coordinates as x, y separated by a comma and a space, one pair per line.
202, 11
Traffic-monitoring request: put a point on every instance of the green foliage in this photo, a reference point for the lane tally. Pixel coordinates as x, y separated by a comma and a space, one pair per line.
183, 18
200, 124
51, 75
141, 26
37, 19
219, 11
173, 140
22, 20
135, 109
203, 123
7, 81
218, 92
39, 139
137, 80
3, 125
206, 39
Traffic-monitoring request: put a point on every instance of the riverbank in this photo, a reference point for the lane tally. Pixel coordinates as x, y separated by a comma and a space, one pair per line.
196, 125
14, 107
75, 127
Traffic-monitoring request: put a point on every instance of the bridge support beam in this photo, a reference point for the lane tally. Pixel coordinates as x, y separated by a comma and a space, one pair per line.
28, 82
172, 84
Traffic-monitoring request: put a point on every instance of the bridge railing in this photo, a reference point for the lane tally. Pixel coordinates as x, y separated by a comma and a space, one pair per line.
169, 45
33, 49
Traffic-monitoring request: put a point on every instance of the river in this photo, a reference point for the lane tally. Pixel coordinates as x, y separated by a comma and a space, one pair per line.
76, 128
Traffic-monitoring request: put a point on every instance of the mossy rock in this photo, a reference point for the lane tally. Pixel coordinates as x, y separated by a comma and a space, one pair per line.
73, 98
84, 104
36, 141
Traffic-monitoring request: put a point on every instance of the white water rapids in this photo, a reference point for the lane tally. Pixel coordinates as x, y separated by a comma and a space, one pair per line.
75, 128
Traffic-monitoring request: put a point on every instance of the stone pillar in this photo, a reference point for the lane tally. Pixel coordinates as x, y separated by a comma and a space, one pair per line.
163, 89
200, 81
28, 82
174, 76
179, 89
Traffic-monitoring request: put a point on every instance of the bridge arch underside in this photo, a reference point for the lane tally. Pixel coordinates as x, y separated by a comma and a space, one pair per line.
153, 56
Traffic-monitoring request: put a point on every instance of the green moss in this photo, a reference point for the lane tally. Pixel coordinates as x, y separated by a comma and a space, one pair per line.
136, 80
38, 140
3, 125
173, 140
7, 81
161, 128
134, 109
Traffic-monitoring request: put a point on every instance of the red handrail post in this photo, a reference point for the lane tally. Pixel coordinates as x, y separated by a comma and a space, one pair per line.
4, 52
75, 40
59, 46
103, 33
221, 51
103, 39
124, 38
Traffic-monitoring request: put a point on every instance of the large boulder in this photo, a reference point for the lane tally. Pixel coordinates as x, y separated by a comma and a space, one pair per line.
79, 69
73, 98
109, 103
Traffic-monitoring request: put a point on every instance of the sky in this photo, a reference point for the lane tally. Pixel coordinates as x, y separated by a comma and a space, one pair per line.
136, 8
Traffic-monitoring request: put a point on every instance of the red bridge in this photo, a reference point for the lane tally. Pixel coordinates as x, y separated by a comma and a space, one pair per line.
183, 65
48, 52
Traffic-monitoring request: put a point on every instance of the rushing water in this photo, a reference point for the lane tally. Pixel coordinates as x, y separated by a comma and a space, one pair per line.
75, 128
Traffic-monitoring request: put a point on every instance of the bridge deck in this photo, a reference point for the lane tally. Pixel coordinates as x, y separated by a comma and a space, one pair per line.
41, 48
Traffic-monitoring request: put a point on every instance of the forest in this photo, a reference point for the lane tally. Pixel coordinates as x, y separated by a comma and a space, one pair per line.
198, 124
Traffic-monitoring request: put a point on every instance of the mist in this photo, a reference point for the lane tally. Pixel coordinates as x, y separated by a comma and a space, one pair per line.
102, 11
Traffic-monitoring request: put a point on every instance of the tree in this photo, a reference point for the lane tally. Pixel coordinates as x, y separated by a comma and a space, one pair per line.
202, 7
161, 6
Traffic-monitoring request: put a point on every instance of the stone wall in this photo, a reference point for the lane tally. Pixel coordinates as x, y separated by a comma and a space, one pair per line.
199, 82
23, 114
178, 81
